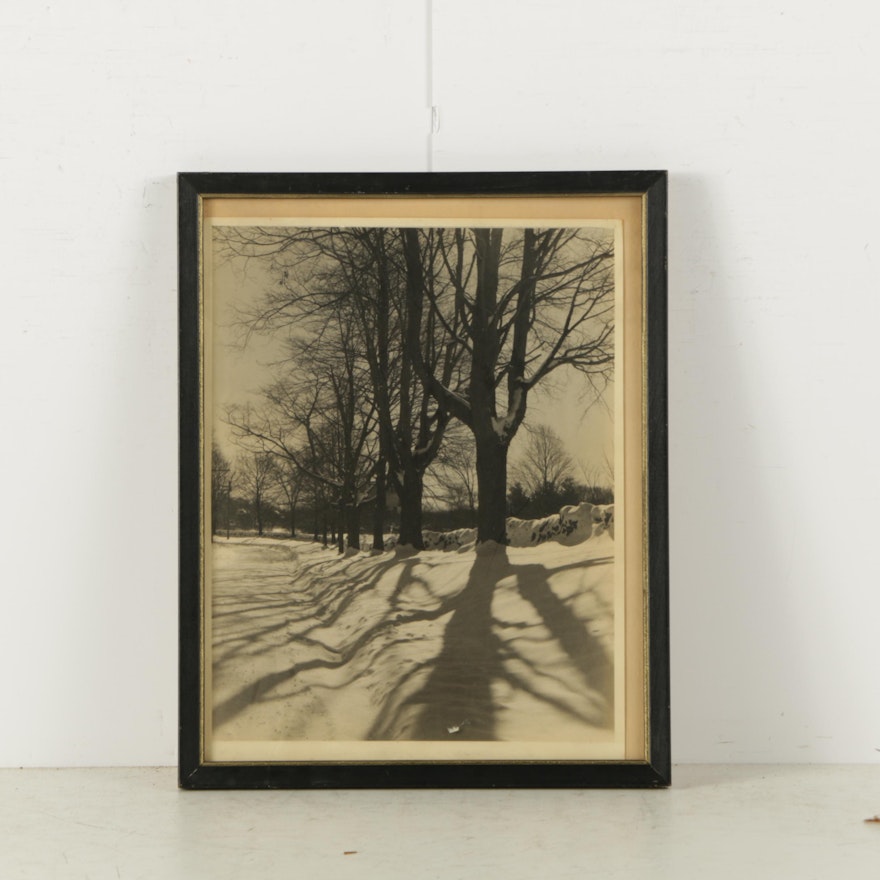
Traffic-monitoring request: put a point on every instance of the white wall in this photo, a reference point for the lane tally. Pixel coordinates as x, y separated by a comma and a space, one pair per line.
764, 113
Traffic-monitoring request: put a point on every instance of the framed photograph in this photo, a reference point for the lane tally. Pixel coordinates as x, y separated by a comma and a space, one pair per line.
423, 480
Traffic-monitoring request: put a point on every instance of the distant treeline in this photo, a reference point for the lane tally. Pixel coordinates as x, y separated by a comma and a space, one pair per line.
239, 516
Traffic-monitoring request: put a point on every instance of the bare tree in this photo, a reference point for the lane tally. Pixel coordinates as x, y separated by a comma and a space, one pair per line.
526, 303
256, 472
544, 464
288, 483
453, 475
221, 489
598, 482
320, 416
358, 276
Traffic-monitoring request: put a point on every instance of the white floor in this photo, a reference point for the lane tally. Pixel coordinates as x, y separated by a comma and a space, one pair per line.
716, 822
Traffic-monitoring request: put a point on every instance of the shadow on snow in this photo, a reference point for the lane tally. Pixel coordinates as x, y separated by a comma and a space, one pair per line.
452, 692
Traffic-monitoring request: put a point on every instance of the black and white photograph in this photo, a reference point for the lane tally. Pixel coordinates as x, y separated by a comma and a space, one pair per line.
421, 540
412, 490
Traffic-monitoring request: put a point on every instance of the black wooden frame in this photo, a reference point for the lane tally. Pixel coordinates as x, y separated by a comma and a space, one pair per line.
193, 773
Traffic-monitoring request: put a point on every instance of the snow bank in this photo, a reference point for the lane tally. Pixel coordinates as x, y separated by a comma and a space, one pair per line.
390, 541
573, 524
603, 519
448, 540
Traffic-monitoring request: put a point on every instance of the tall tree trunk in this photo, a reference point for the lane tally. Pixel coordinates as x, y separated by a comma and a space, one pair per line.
228, 508
411, 509
491, 446
379, 510
352, 526
338, 533
293, 520
491, 488
258, 509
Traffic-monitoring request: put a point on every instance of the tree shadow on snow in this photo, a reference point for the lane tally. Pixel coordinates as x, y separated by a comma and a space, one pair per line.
256, 617
458, 690
456, 697
584, 650
450, 694
325, 607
